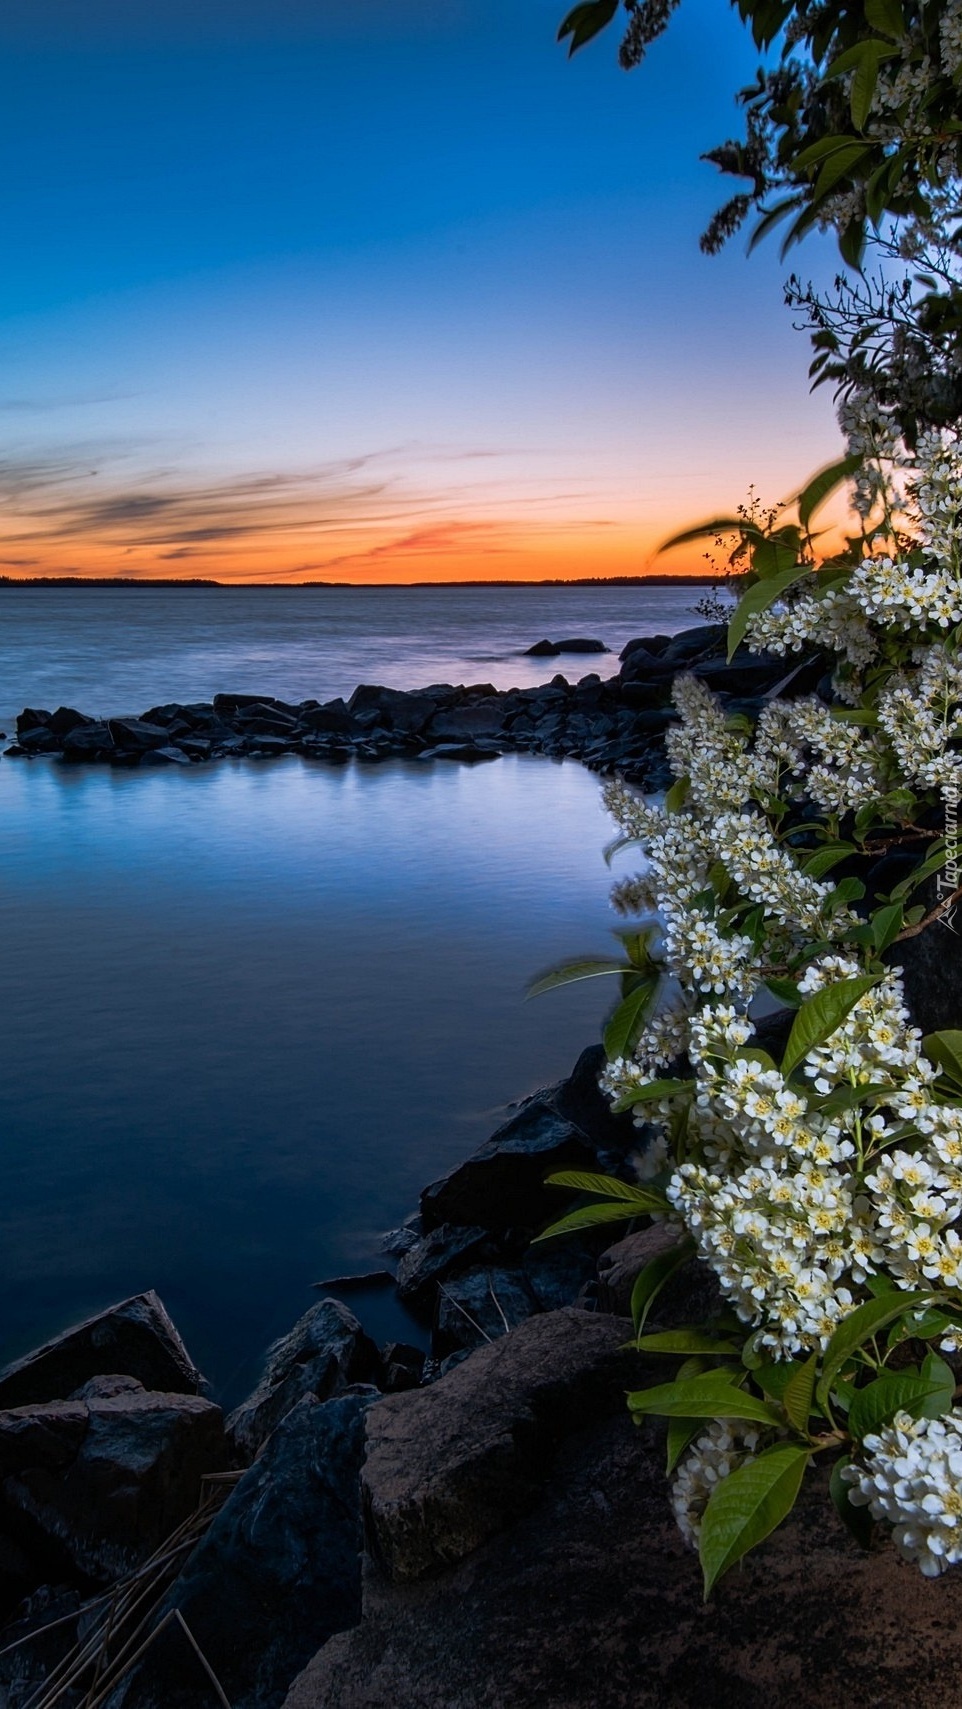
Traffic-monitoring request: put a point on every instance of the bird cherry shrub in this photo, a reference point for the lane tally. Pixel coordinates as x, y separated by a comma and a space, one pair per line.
803, 1138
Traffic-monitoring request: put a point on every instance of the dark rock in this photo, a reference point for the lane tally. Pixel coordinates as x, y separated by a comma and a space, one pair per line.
440, 1253
561, 1272
32, 718
66, 719
653, 645
452, 1464
196, 747
41, 740
350, 1284
743, 676
541, 650
593, 1601
582, 1101
278, 1572
402, 1365
102, 1482
39, 1637
931, 963
707, 641
468, 753
330, 719
398, 1241
486, 718
621, 1264
581, 644
391, 707
322, 1355
479, 1306
107, 1387
87, 741
136, 735
504, 1180
228, 705
135, 1338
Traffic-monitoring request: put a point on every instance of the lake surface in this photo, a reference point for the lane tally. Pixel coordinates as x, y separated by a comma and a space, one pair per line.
251, 1009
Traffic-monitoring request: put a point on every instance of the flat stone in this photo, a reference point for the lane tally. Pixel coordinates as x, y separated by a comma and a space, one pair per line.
135, 1338
450, 1465
505, 1178
441, 1252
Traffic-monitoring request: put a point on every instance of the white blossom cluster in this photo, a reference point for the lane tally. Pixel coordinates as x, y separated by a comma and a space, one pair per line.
724, 1445
912, 1477
921, 715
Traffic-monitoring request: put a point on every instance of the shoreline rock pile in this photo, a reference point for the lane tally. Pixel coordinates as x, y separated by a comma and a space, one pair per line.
613, 724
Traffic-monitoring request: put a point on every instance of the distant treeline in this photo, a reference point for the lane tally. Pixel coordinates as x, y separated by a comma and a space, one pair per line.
252, 587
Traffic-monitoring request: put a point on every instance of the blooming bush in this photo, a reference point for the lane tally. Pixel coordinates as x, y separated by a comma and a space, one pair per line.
807, 1139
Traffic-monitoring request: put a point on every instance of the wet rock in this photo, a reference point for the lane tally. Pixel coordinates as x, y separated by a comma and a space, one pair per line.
441, 1252
135, 1338
228, 705
576, 644
505, 1178
101, 1482
653, 645
467, 752
325, 1353
136, 735
66, 718
707, 641
163, 757
402, 1365
541, 650
333, 718
561, 1272
450, 1465
278, 1572
40, 740
32, 718
485, 718
88, 741
479, 1306
622, 1263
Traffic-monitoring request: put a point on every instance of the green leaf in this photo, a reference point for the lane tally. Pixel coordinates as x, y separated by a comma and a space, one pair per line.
858, 1520
830, 854
593, 968
938, 1372
858, 1327
681, 1431
644, 1199
677, 795
864, 80
687, 1341
840, 165
585, 21
799, 1393
786, 991
590, 1216
886, 17
746, 1507
708, 530
652, 1092
945, 1050
627, 1024
823, 484
650, 1281
886, 925
892, 1392
758, 598
712, 1395
822, 1015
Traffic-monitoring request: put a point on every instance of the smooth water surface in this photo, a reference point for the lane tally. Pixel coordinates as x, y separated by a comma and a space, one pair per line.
250, 1009
113, 651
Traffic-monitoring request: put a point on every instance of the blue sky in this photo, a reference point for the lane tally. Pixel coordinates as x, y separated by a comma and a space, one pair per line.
364, 293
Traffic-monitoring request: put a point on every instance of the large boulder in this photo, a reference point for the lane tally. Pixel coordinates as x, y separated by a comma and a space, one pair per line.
326, 1352
98, 1482
592, 1601
277, 1573
450, 1465
135, 1338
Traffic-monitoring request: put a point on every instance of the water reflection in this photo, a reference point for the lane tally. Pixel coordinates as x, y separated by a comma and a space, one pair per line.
249, 1010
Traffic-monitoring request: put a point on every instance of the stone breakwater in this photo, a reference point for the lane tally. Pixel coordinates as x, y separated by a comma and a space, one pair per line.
616, 724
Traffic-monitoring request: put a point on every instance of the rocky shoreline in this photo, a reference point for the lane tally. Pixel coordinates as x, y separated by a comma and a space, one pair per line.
613, 724
474, 1524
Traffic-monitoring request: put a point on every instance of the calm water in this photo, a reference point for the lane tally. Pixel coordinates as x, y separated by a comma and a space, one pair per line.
249, 1010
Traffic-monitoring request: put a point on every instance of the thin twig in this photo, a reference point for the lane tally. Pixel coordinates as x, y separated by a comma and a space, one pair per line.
459, 1307
936, 914
497, 1302
205, 1664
